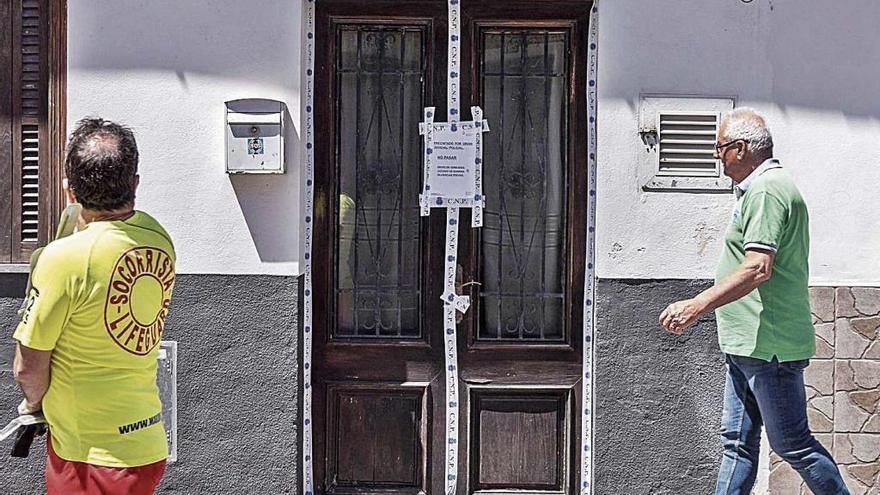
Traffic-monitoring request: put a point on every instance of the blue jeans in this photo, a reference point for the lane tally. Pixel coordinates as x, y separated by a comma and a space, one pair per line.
772, 394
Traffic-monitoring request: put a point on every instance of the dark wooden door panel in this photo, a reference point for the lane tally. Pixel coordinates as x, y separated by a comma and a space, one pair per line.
520, 439
377, 437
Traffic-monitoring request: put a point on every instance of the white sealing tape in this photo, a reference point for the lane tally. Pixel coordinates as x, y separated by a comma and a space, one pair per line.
450, 340
589, 289
308, 471
450, 337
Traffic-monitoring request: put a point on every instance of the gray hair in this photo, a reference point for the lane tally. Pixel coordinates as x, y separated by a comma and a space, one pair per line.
748, 124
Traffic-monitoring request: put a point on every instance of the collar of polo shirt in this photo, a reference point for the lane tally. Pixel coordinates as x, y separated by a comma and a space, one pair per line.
743, 186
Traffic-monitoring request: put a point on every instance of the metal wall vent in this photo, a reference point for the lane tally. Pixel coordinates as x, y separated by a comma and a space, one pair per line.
687, 143
677, 139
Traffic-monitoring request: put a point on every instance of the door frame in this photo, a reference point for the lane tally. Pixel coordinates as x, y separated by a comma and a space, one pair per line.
589, 317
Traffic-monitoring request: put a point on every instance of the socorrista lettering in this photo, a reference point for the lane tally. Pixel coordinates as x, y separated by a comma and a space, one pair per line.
139, 425
142, 266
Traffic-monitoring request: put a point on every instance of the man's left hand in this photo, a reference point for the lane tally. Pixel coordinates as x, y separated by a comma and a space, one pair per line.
680, 315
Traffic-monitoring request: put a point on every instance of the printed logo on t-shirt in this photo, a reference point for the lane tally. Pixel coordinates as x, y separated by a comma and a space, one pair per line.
24, 313
138, 298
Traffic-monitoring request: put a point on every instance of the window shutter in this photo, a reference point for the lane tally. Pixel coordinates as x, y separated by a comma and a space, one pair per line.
29, 217
30, 96
31, 123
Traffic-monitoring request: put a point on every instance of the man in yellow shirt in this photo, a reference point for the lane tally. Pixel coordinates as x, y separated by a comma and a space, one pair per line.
89, 335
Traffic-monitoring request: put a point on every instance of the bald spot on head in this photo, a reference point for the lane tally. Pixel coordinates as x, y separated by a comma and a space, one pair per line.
100, 144
101, 164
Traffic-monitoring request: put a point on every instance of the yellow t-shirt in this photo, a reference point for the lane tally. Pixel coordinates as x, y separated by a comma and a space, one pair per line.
99, 302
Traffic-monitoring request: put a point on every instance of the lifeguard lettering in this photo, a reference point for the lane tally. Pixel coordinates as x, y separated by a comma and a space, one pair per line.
138, 298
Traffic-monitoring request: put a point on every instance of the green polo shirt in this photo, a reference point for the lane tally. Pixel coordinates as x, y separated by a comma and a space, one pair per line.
774, 319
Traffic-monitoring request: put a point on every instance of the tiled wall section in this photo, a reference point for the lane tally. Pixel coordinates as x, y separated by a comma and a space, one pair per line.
843, 388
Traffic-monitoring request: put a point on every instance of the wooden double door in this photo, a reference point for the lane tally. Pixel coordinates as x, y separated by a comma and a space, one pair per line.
378, 372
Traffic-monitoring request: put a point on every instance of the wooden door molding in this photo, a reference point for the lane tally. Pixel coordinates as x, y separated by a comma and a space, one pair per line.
57, 112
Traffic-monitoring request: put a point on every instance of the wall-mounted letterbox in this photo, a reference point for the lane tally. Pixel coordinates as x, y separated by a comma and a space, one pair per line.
255, 136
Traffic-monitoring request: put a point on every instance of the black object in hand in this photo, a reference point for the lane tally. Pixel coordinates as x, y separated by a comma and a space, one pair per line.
25, 437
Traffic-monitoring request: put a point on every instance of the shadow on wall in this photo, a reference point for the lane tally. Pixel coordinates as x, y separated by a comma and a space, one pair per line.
222, 37
269, 203
809, 54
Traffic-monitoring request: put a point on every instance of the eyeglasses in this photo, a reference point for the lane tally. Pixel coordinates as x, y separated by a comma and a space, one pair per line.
720, 147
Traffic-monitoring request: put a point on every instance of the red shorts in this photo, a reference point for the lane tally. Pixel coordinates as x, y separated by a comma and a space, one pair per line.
78, 478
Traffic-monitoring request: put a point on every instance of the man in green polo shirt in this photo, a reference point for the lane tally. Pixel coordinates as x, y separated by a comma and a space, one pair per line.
762, 307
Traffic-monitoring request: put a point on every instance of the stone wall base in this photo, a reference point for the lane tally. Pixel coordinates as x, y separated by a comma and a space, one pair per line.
843, 389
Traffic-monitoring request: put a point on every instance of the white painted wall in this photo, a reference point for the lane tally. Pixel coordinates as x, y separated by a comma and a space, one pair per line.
166, 67
812, 66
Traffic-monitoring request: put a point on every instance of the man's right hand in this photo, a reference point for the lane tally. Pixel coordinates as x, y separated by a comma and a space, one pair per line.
680, 315
28, 408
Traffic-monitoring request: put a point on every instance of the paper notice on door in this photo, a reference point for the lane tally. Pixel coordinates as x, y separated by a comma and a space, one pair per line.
454, 150
453, 159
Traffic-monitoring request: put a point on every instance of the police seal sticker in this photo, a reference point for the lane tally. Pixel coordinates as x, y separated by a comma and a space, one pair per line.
145, 276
